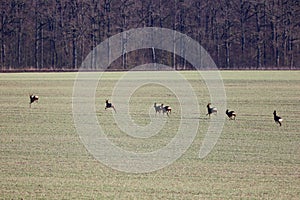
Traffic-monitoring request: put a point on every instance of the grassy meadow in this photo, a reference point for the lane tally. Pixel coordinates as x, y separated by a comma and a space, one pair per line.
42, 156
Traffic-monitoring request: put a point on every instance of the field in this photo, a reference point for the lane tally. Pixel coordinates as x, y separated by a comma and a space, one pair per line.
43, 157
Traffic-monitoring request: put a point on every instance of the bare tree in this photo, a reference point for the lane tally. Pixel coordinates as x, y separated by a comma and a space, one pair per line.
59, 34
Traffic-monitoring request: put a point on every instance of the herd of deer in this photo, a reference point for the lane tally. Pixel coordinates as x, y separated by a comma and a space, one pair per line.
232, 114
167, 109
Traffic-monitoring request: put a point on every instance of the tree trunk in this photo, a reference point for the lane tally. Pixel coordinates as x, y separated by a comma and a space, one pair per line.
74, 50
258, 38
2, 41
36, 45
227, 43
19, 43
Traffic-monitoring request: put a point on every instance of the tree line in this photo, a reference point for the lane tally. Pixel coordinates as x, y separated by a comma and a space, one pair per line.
238, 34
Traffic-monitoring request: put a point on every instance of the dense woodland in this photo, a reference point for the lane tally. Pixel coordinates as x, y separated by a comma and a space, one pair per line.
238, 34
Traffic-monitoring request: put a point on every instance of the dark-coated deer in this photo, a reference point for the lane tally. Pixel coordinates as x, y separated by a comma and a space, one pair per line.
33, 98
211, 110
109, 105
277, 119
